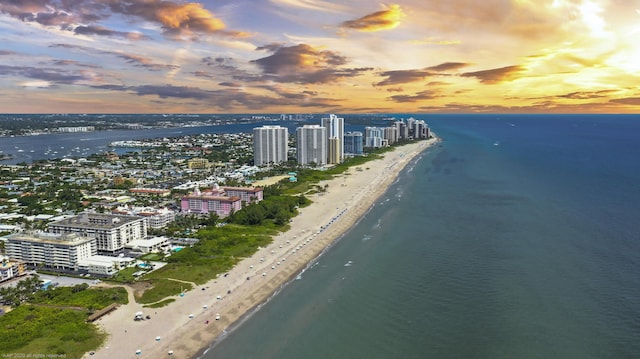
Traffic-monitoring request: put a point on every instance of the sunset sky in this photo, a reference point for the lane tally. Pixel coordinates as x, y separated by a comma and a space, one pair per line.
326, 56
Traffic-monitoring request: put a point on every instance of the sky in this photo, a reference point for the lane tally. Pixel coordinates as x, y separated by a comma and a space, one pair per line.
325, 56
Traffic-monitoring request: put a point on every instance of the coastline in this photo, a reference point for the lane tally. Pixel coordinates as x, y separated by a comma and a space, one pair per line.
188, 327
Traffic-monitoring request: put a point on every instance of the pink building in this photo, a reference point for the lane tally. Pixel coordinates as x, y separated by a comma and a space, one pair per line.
206, 203
247, 195
220, 200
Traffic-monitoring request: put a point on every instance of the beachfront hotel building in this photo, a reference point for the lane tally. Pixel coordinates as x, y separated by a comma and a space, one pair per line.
247, 195
112, 232
335, 138
220, 200
311, 145
208, 202
53, 250
270, 145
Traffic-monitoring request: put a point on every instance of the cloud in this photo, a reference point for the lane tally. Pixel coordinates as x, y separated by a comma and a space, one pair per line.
314, 5
177, 19
103, 31
141, 61
44, 74
407, 76
382, 20
448, 66
226, 99
7, 52
494, 76
304, 64
587, 95
403, 76
634, 101
230, 84
420, 96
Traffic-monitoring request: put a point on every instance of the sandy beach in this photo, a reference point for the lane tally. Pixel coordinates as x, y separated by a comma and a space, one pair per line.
189, 325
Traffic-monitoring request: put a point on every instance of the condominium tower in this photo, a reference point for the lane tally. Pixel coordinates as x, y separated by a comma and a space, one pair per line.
311, 143
335, 138
270, 145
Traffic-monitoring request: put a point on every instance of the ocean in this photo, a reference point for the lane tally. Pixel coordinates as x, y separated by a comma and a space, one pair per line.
517, 237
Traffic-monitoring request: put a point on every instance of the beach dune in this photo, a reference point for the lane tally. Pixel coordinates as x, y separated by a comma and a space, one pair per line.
189, 325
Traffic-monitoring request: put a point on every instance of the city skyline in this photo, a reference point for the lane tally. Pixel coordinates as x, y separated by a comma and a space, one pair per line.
301, 56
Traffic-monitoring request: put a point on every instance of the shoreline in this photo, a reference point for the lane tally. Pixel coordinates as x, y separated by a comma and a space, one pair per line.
192, 324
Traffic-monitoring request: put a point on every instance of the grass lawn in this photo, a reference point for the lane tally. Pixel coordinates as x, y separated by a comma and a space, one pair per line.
32, 330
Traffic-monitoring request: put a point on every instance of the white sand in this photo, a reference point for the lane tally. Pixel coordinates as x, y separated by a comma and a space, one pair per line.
347, 199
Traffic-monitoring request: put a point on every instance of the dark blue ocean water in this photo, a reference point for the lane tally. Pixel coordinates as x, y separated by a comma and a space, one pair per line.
519, 237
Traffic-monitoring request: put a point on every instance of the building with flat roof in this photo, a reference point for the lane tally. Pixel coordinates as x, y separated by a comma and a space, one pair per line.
246, 194
155, 217
155, 244
10, 268
205, 203
311, 145
353, 143
270, 145
374, 137
105, 266
112, 232
335, 138
60, 251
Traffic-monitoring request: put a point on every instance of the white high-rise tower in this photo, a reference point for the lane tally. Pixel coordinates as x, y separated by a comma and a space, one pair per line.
270, 145
311, 145
335, 138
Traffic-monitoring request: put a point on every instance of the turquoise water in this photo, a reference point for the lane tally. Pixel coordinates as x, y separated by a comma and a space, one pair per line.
518, 238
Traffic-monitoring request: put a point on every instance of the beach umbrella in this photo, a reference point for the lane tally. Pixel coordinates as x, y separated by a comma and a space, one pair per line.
190, 316
157, 339
170, 352
138, 352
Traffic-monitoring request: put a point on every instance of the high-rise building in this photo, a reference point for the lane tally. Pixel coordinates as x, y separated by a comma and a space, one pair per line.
403, 131
270, 145
391, 135
353, 143
335, 137
311, 143
374, 137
